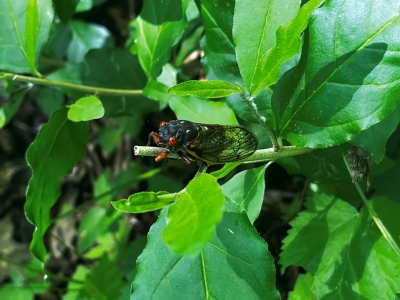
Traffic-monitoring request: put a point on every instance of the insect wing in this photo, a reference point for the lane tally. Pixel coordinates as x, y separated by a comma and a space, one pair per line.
222, 144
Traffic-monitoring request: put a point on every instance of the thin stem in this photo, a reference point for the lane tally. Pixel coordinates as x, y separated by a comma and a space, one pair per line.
258, 156
202, 169
386, 234
253, 108
72, 86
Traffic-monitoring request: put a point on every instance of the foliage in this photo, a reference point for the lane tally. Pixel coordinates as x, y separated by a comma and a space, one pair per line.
321, 77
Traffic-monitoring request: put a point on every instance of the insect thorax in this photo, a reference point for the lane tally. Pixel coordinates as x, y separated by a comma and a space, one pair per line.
183, 131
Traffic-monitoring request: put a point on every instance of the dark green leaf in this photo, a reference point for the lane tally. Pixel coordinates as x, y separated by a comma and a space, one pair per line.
374, 138
59, 145
219, 52
65, 9
86, 37
235, 264
344, 250
103, 282
86, 109
194, 215
205, 89
8, 110
111, 68
49, 99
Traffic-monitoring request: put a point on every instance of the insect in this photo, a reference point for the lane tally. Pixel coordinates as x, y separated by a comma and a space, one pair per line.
208, 143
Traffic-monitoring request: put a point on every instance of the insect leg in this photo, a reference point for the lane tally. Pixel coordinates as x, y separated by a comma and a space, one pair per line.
161, 156
153, 135
184, 157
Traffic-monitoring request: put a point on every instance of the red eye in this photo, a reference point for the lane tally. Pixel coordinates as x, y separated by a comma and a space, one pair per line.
162, 123
172, 141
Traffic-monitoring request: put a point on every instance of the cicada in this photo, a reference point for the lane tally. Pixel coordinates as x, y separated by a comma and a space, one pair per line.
209, 143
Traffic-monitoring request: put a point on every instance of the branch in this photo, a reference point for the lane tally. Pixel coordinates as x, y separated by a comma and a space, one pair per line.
258, 156
72, 86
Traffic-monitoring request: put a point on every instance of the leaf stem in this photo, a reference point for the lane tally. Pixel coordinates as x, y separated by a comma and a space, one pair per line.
258, 156
386, 234
253, 108
72, 86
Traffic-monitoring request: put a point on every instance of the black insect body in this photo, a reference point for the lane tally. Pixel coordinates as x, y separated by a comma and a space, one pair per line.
208, 143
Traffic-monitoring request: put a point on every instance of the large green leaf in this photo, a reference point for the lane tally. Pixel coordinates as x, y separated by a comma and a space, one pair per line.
351, 74
59, 145
254, 32
194, 215
160, 26
235, 264
344, 250
24, 29
287, 46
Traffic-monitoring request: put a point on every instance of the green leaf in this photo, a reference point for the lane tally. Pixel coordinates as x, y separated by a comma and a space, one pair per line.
160, 26
247, 190
202, 110
59, 145
103, 282
340, 94
344, 250
194, 215
219, 52
144, 201
85, 5
205, 89
111, 68
235, 252
22, 36
8, 110
32, 32
93, 224
86, 109
287, 45
156, 91
225, 170
262, 18
302, 289
16, 292
85, 37
48, 98
90, 227
65, 9
374, 138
